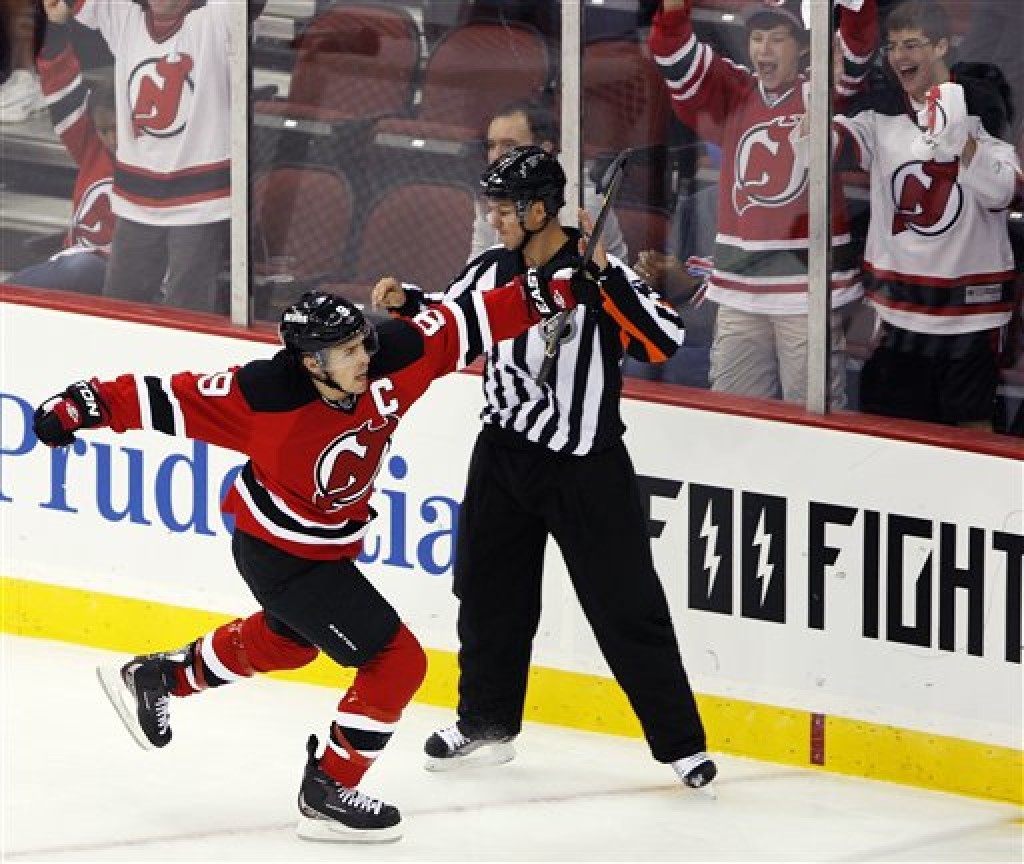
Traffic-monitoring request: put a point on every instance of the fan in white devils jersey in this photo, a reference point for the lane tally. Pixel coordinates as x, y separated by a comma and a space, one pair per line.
171, 182
938, 261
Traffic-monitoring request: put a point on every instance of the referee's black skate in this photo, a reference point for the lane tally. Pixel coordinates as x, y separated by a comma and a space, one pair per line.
140, 692
456, 747
696, 771
336, 813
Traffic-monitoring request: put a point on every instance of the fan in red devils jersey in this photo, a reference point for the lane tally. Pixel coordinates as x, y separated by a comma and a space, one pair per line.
760, 279
316, 421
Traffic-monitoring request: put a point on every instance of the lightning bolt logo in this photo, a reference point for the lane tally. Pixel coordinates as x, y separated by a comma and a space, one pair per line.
712, 560
763, 542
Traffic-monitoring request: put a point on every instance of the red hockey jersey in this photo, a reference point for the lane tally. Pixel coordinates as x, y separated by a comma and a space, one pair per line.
307, 485
60, 75
761, 247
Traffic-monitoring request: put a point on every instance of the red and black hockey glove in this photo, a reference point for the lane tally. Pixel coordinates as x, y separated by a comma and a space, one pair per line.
586, 287
549, 293
60, 416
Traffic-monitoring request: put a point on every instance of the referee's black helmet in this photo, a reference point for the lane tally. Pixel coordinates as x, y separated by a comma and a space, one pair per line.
525, 174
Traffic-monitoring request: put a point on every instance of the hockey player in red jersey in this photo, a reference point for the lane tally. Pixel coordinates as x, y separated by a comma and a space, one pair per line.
759, 282
316, 422
938, 261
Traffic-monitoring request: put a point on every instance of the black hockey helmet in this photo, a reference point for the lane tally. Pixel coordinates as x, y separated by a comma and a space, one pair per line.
318, 320
525, 174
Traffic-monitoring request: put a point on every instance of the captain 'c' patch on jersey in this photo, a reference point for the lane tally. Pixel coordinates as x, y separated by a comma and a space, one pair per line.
347, 467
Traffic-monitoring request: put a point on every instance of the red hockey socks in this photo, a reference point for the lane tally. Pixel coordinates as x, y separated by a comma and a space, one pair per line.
369, 711
237, 650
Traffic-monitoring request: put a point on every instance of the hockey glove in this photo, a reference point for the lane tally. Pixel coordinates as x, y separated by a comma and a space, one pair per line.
944, 123
585, 283
551, 293
586, 287
60, 416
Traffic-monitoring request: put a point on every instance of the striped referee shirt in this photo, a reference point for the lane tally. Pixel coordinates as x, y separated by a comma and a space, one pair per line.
577, 410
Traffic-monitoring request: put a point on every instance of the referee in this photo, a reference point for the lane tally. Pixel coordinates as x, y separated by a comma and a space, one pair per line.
550, 461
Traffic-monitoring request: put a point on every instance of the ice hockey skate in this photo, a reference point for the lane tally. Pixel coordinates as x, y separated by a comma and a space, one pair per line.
335, 813
140, 691
696, 771
452, 748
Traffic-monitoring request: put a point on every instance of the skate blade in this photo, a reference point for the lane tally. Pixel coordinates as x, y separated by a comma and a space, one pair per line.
123, 701
329, 831
487, 754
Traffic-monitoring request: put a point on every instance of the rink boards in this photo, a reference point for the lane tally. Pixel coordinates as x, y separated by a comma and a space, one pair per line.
842, 600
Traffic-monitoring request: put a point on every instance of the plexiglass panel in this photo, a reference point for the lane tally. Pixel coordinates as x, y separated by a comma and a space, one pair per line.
371, 123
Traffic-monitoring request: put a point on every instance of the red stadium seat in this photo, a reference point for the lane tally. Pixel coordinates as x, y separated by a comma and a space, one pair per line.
418, 232
625, 100
353, 62
473, 71
477, 68
301, 216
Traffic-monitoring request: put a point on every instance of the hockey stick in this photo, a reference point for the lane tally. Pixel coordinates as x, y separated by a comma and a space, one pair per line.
555, 328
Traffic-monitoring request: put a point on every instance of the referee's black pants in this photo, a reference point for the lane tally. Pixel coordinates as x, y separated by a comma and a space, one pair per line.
591, 505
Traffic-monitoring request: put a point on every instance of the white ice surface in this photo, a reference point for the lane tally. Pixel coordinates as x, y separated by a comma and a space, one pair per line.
77, 788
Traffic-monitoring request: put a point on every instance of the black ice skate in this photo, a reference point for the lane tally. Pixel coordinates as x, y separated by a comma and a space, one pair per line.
333, 812
140, 692
696, 771
454, 747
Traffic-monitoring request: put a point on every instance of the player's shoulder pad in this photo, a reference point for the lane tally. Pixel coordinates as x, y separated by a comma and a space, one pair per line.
275, 385
401, 344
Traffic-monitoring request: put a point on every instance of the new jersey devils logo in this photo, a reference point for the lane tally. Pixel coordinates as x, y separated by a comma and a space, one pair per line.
347, 467
770, 171
159, 91
93, 220
926, 198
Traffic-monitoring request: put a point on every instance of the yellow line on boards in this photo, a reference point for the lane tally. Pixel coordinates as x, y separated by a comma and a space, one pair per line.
132, 626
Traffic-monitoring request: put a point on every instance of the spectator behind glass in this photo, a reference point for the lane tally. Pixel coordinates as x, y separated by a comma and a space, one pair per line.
760, 277
171, 182
523, 123
85, 120
938, 262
